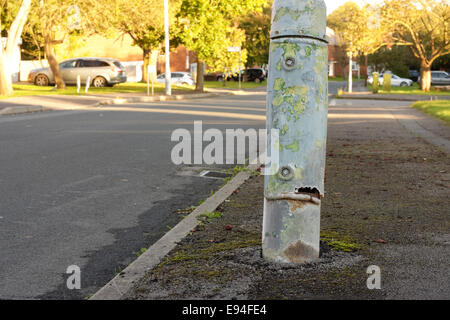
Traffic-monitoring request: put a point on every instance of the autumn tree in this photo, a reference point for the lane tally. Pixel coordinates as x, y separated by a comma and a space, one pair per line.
209, 27
424, 26
143, 21
349, 23
372, 35
56, 19
13, 35
257, 35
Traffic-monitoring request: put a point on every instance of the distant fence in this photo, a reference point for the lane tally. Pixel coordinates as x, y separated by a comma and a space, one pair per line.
133, 69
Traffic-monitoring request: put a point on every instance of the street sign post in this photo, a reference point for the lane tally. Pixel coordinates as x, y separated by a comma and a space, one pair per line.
237, 49
297, 106
167, 49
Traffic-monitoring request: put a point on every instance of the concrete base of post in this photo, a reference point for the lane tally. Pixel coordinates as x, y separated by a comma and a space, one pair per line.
299, 220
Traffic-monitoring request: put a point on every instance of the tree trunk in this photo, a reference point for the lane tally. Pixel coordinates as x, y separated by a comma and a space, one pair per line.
53, 63
199, 86
14, 33
6, 88
146, 57
425, 76
150, 59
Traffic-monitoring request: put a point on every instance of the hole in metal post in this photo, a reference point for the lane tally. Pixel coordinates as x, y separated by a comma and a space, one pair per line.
313, 192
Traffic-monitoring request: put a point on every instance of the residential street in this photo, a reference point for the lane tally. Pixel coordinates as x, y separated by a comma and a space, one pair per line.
91, 188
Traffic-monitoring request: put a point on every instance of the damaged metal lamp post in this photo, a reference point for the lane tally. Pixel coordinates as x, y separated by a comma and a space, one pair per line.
297, 106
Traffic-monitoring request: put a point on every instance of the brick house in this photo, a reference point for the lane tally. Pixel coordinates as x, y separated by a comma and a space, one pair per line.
121, 48
338, 59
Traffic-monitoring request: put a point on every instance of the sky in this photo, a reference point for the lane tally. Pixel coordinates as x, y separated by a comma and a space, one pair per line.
334, 4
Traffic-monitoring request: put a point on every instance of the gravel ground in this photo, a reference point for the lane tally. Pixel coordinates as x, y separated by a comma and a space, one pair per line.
386, 204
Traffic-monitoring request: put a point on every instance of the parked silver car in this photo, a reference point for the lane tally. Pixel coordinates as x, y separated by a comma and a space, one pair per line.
177, 78
396, 81
102, 72
440, 78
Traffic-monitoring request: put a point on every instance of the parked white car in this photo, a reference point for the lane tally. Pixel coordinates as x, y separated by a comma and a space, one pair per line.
177, 78
396, 81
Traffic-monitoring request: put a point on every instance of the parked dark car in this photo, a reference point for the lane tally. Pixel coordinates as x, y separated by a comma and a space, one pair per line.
414, 75
253, 75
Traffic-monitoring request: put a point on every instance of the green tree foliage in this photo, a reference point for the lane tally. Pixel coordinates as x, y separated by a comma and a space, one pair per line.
51, 21
424, 26
397, 59
257, 35
349, 23
209, 27
143, 21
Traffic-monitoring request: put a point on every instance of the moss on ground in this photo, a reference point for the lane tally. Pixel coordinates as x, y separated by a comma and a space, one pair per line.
339, 241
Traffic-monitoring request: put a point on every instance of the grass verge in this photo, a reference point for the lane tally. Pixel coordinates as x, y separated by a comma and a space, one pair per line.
438, 108
21, 90
413, 90
233, 84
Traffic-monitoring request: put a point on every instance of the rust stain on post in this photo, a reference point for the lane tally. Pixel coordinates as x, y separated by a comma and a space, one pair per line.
300, 252
294, 205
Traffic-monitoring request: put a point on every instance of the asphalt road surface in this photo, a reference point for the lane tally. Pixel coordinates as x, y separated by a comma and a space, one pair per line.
91, 188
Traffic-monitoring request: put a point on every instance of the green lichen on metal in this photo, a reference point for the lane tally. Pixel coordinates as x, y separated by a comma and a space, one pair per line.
299, 107
294, 146
289, 49
278, 100
284, 130
279, 65
297, 90
308, 51
294, 14
279, 84
294, 97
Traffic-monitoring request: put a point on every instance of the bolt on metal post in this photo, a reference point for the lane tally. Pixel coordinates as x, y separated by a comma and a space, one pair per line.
297, 106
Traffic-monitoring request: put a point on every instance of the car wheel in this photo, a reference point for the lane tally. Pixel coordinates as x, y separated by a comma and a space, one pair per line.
41, 80
99, 82
220, 78
403, 84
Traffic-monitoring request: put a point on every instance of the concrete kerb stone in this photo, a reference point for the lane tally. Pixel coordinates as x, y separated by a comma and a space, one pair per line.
21, 110
117, 101
128, 278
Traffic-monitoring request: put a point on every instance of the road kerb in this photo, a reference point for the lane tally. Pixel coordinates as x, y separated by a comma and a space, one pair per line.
124, 281
117, 101
156, 98
21, 110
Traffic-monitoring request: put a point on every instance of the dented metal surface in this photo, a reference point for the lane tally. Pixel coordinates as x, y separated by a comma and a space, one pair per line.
297, 105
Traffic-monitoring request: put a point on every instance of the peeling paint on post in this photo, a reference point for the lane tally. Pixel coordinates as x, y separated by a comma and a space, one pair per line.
297, 105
